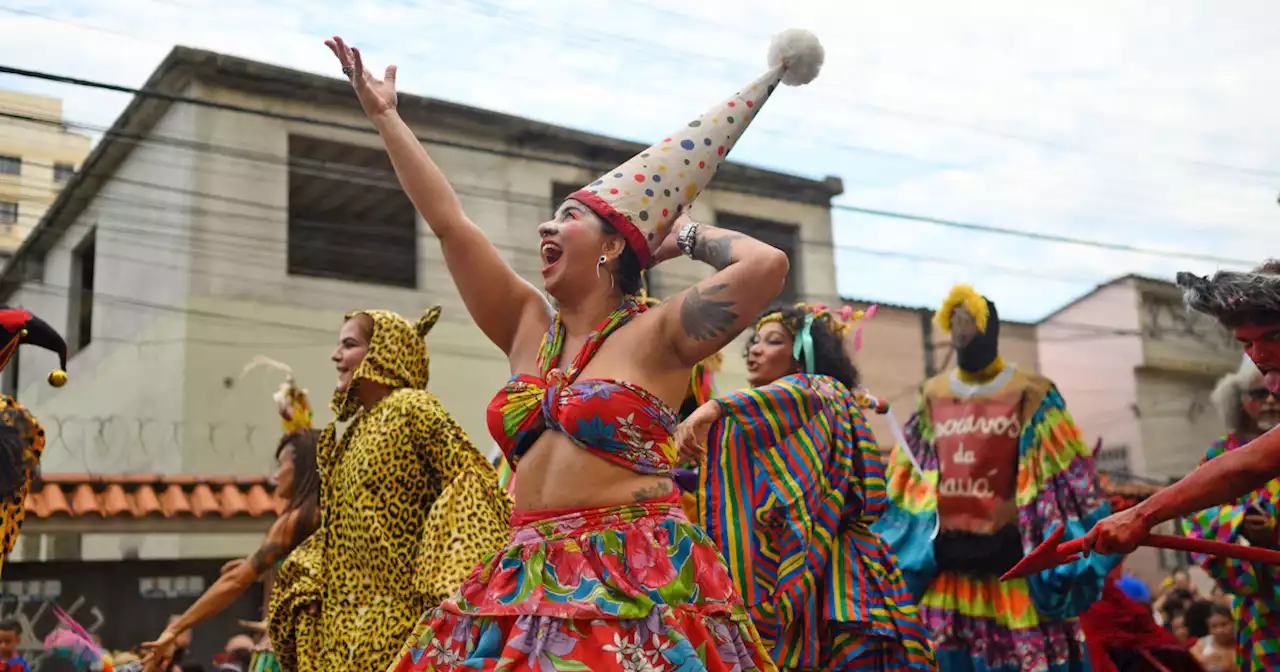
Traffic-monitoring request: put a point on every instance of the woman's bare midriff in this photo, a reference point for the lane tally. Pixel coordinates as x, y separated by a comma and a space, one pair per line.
557, 474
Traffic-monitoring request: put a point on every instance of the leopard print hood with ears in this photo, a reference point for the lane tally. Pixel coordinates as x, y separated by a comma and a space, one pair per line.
397, 357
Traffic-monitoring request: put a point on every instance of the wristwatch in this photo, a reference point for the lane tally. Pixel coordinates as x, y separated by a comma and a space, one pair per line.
686, 238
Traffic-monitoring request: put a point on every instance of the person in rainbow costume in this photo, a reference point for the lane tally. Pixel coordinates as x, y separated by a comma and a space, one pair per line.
992, 465
790, 483
1248, 409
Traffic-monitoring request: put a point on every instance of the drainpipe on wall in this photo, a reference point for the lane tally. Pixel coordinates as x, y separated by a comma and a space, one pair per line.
926, 330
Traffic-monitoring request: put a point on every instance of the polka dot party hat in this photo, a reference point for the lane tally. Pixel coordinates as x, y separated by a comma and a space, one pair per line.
642, 197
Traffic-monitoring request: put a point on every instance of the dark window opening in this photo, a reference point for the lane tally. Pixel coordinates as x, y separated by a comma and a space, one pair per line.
8, 213
10, 165
559, 192
785, 237
63, 172
349, 219
82, 272
10, 375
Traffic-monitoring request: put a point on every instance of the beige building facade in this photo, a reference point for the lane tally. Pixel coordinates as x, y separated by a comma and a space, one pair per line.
38, 157
227, 234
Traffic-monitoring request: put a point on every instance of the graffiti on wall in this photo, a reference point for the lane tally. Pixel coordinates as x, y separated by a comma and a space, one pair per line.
31, 604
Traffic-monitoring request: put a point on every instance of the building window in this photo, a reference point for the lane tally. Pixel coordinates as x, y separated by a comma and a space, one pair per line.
63, 172
8, 213
10, 165
9, 377
1113, 461
559, 192
349, 219
782, 236
81, 318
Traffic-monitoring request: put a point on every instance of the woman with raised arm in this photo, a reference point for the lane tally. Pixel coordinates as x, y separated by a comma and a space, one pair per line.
788, 488
603, 570
297, 480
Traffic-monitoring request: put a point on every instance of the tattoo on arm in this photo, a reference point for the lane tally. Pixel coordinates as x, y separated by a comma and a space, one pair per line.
661, 489
267, 554
715, 250
705, 318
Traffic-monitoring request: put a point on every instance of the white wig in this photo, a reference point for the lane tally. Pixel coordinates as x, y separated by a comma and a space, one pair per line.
1228, 395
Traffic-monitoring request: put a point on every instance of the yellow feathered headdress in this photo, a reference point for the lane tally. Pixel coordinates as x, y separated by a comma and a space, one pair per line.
967, 296
291, 400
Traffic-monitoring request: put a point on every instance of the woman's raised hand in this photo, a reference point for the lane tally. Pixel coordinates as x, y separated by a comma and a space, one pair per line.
377, 96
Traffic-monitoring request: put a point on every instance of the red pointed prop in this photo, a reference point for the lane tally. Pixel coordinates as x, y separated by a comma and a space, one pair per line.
1051, 553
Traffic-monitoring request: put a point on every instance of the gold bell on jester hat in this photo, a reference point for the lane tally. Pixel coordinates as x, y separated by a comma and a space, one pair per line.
18, 327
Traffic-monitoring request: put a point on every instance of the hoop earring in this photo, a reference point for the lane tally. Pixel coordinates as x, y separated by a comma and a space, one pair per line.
600, 263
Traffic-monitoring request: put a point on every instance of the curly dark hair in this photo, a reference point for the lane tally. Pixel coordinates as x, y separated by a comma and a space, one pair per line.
829, 358
629, 279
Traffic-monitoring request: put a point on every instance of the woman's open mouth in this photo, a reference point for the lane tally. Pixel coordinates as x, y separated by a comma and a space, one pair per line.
551, 254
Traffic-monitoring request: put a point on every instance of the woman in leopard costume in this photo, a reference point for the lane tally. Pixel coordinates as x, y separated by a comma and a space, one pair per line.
409, 506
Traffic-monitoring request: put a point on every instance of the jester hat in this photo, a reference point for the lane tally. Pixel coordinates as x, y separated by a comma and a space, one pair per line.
18, 326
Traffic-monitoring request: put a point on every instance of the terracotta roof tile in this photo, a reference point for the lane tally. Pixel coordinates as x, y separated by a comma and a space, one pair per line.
1134, 490
141, 495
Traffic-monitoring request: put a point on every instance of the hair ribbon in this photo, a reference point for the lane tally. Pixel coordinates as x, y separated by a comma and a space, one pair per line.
804, 344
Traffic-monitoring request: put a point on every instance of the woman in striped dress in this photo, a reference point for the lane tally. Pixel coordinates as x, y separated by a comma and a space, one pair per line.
790, 483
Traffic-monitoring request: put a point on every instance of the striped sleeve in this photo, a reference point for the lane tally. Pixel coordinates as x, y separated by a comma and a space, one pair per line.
1222, 523
767, 415
1058, 485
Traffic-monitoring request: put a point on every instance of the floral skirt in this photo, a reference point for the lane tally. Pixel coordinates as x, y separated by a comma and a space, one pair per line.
633, 588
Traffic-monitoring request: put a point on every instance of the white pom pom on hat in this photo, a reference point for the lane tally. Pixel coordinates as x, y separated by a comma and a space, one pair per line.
643, 197
799, 53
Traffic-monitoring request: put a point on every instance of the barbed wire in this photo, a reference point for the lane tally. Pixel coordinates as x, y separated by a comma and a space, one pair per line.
124, 445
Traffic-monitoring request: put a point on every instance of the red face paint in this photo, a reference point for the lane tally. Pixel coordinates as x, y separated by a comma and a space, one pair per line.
1262, 345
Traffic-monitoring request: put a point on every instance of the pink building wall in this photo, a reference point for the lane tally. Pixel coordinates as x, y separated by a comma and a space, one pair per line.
1090, 349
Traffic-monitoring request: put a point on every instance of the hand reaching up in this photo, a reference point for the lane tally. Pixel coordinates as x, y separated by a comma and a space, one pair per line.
377, 96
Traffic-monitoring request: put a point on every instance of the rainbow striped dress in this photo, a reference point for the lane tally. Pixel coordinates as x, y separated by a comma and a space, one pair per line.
792, 481
1012, 468
1252, 588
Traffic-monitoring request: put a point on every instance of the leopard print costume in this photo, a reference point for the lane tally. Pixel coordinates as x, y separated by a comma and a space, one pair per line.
293, 614
21, 445
410, 506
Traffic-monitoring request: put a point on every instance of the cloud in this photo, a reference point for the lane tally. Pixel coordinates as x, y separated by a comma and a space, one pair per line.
1138, 123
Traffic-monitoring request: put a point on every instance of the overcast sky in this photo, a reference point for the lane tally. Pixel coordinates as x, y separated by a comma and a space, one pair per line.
1151, 124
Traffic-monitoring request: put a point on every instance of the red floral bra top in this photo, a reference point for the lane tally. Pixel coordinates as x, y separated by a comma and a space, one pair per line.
613, 419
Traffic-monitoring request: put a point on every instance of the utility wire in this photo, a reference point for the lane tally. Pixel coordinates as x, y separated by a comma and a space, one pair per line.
364, 128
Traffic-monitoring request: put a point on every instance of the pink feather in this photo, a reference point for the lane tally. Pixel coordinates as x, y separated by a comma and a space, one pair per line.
857, 334
74, 637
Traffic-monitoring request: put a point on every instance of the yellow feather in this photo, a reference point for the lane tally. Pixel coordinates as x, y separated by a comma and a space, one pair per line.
967, 296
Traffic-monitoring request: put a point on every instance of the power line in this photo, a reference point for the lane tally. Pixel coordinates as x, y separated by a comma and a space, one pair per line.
652, 49
386, 179
968, 226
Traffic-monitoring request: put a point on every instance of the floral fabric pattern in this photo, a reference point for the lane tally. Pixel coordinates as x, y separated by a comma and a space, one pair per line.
632, 588
615, 420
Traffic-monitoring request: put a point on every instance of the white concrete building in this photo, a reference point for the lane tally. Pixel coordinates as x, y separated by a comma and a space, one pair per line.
199, 236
